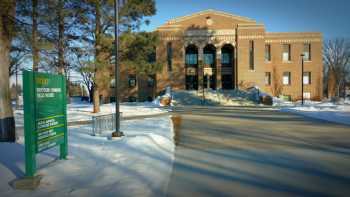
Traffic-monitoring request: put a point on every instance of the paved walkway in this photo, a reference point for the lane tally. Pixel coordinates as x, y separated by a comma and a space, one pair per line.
233, 151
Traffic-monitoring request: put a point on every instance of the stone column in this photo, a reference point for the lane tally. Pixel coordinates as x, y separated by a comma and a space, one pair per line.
218, 68
200, 67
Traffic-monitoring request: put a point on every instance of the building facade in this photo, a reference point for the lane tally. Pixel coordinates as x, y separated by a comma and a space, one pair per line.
217, 50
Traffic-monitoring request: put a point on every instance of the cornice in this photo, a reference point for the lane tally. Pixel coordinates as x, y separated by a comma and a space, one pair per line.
210, 11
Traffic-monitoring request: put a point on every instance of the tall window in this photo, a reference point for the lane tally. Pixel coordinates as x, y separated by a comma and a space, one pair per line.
191, 59
251, 55
225, 58
268, 52
286, 78
169, 55
307, 51
132, 81
307, 78
151, 80
286, 57
208, 59
267, 78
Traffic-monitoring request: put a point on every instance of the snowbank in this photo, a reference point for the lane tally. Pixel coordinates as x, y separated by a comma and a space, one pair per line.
328, 111
81, 111
215, 97
139, 164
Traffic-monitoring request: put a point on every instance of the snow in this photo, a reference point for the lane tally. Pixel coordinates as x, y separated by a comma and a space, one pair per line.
328, 111
215, 97
139, 164
82, 111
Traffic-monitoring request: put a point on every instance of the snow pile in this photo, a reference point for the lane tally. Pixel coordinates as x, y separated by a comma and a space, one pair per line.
167, 94
82, 111
139, 164
333, 112
215, 97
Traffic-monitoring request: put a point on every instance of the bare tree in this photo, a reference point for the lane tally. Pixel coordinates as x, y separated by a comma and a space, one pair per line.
277, 86
7, 123
336, 57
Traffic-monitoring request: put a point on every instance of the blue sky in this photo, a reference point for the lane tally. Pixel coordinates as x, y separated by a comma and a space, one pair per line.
331, 17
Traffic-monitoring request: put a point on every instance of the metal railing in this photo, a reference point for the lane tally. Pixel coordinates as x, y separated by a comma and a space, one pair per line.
103, 123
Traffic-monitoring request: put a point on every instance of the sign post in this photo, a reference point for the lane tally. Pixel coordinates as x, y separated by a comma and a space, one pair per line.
45, 116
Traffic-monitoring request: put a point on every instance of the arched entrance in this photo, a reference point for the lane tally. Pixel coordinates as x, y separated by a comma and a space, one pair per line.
227, 66
209, 60
191, 61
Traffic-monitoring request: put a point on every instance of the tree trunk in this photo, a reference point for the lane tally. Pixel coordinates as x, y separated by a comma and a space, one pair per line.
61, 64
91, 95
332, 84
7, 122
35, 35
96, 99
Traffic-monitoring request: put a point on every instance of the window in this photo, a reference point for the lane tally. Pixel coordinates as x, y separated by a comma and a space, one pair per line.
286, 78
208, 59
286, 57
307, 78
150, 81
268, 52
169, 55
307, 51
132, 81
191, 59
225, 58
267, 78
251, 55
307, 95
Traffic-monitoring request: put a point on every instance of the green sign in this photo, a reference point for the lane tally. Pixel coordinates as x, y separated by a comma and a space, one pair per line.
45, 118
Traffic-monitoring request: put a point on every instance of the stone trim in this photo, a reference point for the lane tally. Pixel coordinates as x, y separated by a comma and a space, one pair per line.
303, 40
220, 32
286, 35
210, 11
251, 37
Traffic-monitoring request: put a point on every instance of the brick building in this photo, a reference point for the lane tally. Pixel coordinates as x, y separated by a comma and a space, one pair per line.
224, 51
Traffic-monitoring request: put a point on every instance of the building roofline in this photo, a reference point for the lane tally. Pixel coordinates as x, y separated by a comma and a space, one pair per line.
182, 18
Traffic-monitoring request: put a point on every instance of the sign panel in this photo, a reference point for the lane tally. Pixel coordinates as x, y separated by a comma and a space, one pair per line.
45, 118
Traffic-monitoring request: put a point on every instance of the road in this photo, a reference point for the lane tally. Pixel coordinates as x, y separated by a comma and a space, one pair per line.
235, 151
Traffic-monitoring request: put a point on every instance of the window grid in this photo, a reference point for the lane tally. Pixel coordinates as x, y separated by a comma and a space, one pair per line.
286, 78
268, 78
286, 54
169, 55
191, 59
225, 58
132, 81
307, 78
251, 55
307, 51
268, 52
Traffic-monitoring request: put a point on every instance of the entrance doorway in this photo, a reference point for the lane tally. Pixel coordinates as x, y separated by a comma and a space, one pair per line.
227, 65
209, 53
191, 61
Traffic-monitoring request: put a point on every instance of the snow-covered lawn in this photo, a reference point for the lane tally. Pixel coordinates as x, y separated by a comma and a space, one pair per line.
139, 164
81, 111
328, 111
214, 97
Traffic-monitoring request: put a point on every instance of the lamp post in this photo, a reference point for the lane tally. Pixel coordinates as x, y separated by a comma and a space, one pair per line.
117, 132
302, 78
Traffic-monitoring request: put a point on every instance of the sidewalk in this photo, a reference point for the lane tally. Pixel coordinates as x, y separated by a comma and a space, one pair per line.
139, 164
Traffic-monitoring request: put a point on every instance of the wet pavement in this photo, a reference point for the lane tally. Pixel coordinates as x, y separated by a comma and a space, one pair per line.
235, 151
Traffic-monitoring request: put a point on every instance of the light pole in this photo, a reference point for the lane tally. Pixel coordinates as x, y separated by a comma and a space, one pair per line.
117, 132
302, 79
